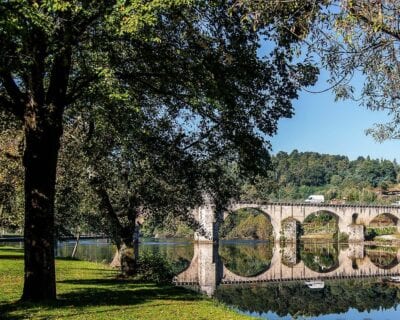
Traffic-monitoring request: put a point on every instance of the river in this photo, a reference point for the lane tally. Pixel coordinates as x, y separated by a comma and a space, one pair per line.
271, 281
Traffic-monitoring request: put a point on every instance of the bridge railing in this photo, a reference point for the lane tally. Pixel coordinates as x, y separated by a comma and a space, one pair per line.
310, 204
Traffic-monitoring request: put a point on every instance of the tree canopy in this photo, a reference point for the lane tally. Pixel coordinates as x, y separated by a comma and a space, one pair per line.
358, 43
191, 69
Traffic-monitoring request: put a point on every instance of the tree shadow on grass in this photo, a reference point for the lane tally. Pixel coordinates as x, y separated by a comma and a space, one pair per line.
97, 292
11, 257
11, 249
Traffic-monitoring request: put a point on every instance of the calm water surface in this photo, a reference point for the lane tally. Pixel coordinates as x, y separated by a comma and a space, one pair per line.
309, 281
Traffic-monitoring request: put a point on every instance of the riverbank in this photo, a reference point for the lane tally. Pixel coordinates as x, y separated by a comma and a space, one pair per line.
90, 291
19, 238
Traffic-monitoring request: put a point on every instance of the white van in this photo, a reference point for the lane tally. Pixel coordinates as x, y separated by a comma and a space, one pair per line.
315, 198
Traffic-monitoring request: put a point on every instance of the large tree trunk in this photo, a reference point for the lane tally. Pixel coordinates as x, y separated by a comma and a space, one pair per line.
126, 257
42, 143
129, 255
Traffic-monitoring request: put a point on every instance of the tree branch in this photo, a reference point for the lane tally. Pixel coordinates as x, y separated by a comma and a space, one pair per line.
12, 88
59, 77
77, 88
382, 27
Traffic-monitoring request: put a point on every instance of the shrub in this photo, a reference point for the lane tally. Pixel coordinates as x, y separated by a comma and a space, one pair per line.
154, 267
343, 237
370, 233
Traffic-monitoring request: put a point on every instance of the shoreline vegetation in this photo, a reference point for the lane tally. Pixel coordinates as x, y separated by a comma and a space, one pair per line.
88, 290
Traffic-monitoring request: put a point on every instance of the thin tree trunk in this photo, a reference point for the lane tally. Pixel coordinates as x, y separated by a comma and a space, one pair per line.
116, 262
76, 245
1, 216
42, 143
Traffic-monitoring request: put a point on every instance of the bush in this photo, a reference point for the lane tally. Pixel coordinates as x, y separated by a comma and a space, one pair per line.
246, 224
154, 267
343, 237
370, 233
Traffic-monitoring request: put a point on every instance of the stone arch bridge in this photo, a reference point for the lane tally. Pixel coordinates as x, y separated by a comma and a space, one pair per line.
351, 218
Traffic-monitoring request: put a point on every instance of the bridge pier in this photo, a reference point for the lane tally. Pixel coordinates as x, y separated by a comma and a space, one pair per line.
289, 254
356, 232
356, 251
210, 268
289, 231
208, 223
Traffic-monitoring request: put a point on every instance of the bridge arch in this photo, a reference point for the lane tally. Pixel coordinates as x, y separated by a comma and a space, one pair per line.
320, 222
382, 224
254, 222
384, 219
320, 259
383, 258
247, 260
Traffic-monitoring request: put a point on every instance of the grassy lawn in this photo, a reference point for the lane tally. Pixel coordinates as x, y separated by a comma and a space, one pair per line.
88, 290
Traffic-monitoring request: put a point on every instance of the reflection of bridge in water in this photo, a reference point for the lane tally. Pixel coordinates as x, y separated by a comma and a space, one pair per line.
207, 271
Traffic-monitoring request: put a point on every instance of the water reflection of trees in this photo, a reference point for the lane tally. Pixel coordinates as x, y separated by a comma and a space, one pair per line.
246, 260
95, 252
179, 256
296, 299
319, 258
382, 257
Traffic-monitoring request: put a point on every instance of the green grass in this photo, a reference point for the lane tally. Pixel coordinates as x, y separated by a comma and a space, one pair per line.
88, 290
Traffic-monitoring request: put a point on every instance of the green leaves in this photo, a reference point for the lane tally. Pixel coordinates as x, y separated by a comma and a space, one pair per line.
131, 16
358, 43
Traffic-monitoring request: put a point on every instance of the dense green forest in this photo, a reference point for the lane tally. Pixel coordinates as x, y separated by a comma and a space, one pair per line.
296, 175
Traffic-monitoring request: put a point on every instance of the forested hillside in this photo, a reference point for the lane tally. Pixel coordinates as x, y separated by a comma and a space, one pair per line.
299, 174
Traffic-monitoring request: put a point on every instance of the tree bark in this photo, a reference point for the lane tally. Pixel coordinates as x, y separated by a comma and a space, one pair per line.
43, 130
129, 255
1, 216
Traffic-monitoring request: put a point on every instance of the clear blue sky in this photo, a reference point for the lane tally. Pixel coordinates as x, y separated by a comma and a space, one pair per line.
322, 125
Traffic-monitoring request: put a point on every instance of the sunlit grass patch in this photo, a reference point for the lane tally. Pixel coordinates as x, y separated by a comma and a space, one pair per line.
88, 290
